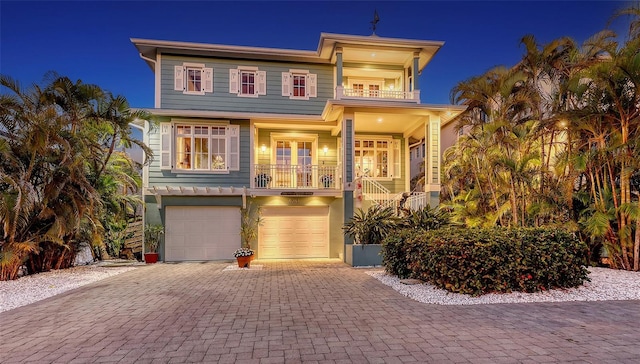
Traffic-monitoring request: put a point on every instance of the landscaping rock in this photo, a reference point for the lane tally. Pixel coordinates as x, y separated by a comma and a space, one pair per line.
84, 255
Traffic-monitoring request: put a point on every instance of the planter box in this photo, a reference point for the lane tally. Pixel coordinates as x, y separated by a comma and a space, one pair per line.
358, 255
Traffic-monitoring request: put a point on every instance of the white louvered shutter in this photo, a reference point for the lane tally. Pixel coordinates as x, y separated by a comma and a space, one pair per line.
286, 84
261, 88
165, 145
178, 78
208, 80
234, 148
312, 85
396, 158
234, 79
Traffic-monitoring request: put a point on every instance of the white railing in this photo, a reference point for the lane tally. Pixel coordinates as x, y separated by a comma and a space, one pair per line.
393, 201
417, 201
377, 94
281, 176
374, 191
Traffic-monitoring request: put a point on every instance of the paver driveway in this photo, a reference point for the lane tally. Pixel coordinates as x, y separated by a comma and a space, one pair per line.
301, 311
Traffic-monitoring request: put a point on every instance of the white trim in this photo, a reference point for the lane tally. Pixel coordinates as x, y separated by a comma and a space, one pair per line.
234, 115
248, 69
194, 65
211, 122
298, 71
197, 122
253, 157
196, 191
390, 150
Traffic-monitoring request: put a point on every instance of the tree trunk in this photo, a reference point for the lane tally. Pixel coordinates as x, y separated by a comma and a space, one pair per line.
636, 246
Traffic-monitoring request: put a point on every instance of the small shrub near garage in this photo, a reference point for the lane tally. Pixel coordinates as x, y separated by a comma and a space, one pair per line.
479, 261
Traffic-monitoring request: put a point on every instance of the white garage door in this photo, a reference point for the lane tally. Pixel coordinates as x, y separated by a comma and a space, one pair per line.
201, 232
294, 232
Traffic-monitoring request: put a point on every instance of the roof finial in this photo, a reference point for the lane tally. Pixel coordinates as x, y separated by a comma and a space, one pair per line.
375, 21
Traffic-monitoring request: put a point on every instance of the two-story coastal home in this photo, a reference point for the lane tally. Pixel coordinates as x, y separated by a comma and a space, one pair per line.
307, 135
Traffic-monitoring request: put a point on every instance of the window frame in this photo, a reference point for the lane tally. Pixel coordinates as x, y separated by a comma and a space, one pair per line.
231, 154
187, 79
259, 81
310, 87
390, 149
181, 78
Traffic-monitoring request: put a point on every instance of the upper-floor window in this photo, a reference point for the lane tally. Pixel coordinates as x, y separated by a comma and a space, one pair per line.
247, 81
299, 84
199, 147
193, 78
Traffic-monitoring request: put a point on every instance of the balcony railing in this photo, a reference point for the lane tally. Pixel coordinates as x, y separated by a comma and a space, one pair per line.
378, 94
284, 176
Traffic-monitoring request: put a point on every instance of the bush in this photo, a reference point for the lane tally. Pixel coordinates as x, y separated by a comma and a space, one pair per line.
394, 252
395, 248
478, 261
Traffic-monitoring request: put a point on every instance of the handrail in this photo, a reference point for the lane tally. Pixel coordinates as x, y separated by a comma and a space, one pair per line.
379, 94
374, 191
417, 201
287, 176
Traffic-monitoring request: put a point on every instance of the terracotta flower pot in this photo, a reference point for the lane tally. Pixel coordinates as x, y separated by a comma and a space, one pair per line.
244, 262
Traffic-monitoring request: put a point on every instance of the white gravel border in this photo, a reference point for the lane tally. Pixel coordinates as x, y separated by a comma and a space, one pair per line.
36, 287
606, 285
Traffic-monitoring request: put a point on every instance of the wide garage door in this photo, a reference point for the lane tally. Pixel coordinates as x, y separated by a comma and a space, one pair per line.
201, 232
294, 232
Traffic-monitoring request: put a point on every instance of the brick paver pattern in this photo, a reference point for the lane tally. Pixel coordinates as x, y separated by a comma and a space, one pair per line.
296, 311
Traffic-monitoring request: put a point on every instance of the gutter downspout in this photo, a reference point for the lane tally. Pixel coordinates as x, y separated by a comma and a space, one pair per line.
148, 60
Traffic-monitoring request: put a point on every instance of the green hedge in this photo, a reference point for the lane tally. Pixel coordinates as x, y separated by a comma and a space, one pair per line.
478, 261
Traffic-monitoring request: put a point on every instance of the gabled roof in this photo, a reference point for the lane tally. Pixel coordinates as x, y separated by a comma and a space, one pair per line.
356, 48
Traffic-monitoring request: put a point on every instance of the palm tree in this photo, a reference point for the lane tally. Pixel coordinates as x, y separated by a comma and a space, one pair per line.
60, 169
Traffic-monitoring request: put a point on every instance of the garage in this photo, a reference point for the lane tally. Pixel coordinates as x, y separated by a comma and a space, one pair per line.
294, 232
201, 232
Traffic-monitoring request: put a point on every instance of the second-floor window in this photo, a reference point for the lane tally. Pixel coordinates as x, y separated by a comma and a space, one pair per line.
199, 147
299, 84
193, 78
247, 81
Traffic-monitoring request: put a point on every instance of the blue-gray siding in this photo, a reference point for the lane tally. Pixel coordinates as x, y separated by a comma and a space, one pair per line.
222, 100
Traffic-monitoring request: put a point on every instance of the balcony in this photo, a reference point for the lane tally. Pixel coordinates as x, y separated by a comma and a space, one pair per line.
386, 95
295, 177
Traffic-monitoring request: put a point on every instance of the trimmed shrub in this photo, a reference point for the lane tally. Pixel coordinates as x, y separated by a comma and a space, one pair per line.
395, 247
478, 261
394, 251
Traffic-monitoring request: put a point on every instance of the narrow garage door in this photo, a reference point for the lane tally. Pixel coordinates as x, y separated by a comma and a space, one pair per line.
201, 232
294, 232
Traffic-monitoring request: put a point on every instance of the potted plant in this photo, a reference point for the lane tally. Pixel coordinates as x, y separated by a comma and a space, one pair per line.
369, 228
262, 180
152, 236
326, 180
244, 256
250, 219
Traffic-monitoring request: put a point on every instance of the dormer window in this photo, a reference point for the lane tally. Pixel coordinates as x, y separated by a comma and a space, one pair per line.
299, 84
193, 79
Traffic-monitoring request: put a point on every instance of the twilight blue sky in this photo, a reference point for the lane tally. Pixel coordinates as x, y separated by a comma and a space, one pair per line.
89, 40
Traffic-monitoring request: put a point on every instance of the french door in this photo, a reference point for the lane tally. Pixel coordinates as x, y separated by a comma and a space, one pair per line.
294, 160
